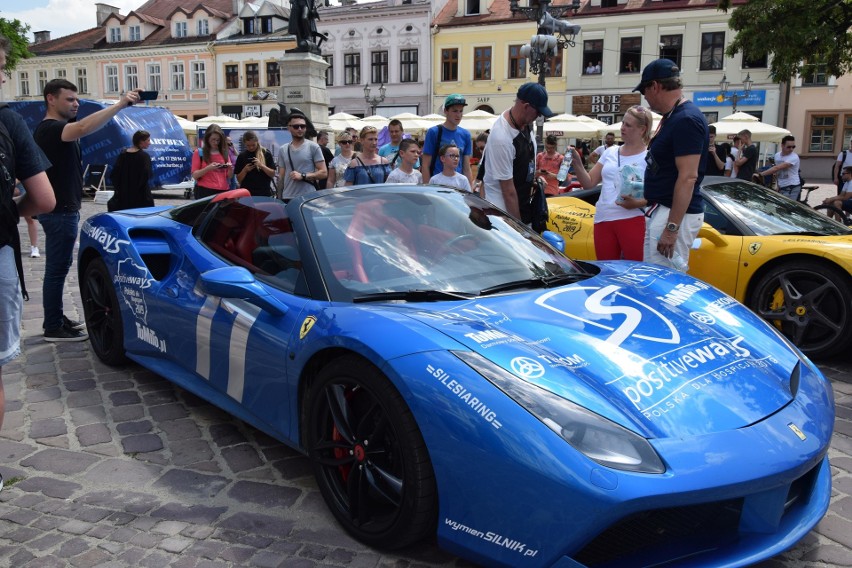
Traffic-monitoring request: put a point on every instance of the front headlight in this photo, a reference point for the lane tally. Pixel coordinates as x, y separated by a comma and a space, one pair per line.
598, 438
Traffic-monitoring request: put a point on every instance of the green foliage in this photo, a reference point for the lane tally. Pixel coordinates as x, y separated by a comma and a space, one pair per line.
795, 33
16, 32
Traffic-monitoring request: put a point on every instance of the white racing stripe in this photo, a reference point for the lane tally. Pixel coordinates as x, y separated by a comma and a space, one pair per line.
246, 315
202, 336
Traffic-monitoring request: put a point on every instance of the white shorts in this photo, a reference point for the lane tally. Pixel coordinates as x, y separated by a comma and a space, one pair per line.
655, 226
11, 305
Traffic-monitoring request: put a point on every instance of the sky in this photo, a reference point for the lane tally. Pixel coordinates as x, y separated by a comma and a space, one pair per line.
60, 17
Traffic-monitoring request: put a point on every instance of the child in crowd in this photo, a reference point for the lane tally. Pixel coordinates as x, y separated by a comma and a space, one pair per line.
450, 155
409, 154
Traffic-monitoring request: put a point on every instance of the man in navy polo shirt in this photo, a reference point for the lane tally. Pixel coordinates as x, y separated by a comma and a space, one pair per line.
675, 167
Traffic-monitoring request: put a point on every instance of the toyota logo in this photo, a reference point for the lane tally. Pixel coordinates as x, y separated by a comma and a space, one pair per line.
527, 367
702, 317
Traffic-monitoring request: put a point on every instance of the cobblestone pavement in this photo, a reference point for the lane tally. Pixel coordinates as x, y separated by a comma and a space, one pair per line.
117, 467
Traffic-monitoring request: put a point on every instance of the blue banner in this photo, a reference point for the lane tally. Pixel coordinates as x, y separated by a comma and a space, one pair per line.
714, 98
169, 150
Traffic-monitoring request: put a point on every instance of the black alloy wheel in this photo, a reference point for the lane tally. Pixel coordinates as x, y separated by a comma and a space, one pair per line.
103, 314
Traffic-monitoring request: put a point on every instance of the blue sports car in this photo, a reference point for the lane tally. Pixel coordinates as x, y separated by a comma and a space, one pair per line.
449, 373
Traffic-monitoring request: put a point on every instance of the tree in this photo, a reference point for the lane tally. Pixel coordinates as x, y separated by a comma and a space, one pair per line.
795, 33
16, 32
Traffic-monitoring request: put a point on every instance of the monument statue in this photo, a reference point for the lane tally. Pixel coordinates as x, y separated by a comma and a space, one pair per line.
303, 25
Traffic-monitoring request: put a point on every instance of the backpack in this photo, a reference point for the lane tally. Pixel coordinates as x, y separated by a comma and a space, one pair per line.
8, 209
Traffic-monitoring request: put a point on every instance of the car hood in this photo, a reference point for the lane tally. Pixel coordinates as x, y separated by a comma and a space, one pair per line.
653, 350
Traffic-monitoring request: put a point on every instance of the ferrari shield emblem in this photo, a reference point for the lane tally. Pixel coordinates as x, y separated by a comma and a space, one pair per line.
306, 326
797, 431
754, 247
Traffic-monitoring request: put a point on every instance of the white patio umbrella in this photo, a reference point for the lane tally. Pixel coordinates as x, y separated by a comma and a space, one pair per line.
572, 126
221, 120
434, 118
255, 121
187, 126
376, 120
340, 121
478, 120
615, 128
412, 123
733, 124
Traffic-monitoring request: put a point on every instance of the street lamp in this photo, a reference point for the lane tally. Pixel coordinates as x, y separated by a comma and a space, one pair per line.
374, 101
553, 33
735, 97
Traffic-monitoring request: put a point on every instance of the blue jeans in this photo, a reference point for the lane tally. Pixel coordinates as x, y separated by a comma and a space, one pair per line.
60, 234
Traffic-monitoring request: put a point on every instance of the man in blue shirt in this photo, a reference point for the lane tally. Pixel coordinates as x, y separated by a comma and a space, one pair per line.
445, 134
676, 161
391, 149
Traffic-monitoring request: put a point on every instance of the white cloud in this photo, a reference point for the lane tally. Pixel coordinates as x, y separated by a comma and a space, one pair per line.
62, 17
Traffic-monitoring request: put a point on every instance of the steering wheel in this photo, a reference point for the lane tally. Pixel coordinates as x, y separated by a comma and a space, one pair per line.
453, 244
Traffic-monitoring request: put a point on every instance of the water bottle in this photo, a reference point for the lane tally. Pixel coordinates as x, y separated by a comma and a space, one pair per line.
680, 264
566, 165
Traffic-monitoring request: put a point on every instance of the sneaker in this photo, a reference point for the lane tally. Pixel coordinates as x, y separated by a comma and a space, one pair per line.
1, 482
64, 334
34, 252
71, 324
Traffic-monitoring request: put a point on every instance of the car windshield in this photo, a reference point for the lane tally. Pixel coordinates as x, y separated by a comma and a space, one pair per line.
766, 212
409, 242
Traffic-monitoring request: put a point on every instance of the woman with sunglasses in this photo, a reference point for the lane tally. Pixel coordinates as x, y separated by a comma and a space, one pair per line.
338, 165
619, 221
368, 167
255, 167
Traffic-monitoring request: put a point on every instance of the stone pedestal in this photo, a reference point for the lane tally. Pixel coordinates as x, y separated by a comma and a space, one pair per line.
303, 86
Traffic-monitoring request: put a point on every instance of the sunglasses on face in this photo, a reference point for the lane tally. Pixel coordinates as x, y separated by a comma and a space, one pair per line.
298, 126
345, 142
790, 147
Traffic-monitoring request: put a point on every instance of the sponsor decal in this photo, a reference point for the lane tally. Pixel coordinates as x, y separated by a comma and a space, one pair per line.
612, 306
149, 336
754, 247
109, 243
527, 368
492, 337
702, 317
131, 279
493, 537
718, 306
640, 276
472, 313
454, 386
797, 431
306, 326
569, 221
571, 361
682, 293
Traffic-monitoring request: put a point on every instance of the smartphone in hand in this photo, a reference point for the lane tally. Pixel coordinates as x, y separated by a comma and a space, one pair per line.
149, 95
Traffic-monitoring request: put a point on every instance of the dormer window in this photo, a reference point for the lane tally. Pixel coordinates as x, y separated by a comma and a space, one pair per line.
180, 29
266, 25
135, 33
203, 27
115, 35
471, 8
248, 26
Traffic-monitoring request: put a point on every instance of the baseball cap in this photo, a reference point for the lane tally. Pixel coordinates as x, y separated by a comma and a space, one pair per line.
536, 96
656, 70
454, 100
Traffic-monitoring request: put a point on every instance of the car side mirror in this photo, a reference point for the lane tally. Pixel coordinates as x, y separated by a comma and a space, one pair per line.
238, 283
555, 240
712, 235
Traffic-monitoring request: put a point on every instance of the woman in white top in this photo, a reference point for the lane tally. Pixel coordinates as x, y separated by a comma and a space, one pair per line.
338, 165
619, 219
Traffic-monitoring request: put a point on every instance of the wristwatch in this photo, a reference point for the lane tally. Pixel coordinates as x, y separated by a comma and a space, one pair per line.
304, 176
672, 227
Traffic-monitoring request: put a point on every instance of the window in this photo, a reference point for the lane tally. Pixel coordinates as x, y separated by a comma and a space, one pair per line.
631, 55
135, 33
114, 35
82, 80
379, 67
554, 64
329, 72
252, 75
712, 51
42, 80
24, 83
131, 77
266, 25
248, 26
481, 63
671, 47
199, 75
517, 63
273, 74
203, 27
111, 72
154, 80
847, 131
471, 8
449, 65
592, 56
609, 3
61, 74
814, 74
180, 29
352, 69
178, 80
823, 129
232, 77
755, 62
408, 68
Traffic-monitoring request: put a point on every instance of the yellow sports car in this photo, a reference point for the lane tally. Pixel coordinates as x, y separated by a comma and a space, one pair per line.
787, 262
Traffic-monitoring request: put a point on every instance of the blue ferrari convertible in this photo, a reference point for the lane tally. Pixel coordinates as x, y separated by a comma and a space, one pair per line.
450, 374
